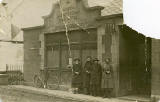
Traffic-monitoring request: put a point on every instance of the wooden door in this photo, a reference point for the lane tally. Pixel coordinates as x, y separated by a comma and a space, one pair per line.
57, 54
53, 53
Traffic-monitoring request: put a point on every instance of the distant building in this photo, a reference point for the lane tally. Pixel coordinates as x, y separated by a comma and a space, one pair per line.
11, 44
5, 24
13, 17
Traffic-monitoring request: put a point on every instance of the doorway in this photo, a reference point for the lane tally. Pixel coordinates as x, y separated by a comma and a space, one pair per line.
135, 63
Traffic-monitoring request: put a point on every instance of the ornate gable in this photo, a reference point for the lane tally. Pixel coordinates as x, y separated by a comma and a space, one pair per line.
76, 13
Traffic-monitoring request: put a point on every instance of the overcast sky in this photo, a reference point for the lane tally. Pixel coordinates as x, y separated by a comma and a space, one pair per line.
143, 16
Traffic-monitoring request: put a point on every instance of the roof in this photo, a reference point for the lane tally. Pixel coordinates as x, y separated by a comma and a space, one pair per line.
35, 11
111, 7
5, 29
23, 13
114, 7
29, 13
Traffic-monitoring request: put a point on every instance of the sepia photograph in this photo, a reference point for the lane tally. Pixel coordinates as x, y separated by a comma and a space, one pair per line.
75, 51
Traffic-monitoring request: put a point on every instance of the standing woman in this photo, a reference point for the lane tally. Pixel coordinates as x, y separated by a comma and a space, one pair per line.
77, 76
87, 75
96, 76
107, 78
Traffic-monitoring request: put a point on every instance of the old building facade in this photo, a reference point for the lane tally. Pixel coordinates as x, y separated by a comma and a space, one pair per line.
133, 56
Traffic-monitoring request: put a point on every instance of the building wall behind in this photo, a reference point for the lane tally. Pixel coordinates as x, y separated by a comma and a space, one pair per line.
5, 24
10, 53
31, 54
114, 46
155, 67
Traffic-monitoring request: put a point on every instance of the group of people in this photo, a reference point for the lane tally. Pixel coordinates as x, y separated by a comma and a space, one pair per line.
93, 78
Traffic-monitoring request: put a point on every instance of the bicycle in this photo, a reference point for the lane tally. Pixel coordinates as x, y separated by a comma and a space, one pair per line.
41, 79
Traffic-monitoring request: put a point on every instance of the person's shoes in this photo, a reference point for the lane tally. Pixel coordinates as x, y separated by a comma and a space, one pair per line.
91, 94
105, 96
74, 92
94, 95
109, 97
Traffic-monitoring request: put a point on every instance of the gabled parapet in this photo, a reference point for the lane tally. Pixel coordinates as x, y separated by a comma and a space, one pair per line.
77, 14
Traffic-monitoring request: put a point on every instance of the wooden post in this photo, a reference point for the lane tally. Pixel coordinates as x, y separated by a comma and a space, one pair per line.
60, 63
81, 49
100, 49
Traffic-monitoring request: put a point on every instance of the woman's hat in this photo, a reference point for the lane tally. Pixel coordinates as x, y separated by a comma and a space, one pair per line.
76, 59
89, 57
108, 59
96, 59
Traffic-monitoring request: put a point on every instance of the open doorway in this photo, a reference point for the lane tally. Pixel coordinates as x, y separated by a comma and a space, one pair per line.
135, 63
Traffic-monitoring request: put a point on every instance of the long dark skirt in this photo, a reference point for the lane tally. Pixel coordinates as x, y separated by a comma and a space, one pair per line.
76, 85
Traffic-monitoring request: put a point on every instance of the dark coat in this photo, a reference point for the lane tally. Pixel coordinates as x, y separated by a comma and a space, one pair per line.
77, 75
96, 74
87, 73
107, 76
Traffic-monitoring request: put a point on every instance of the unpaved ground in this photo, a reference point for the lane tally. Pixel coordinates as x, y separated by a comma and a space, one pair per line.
30, 94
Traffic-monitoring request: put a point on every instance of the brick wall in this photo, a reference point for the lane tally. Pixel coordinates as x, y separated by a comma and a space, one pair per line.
31, 54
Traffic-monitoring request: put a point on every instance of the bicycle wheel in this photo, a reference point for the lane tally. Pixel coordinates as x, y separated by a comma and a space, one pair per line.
37, 82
